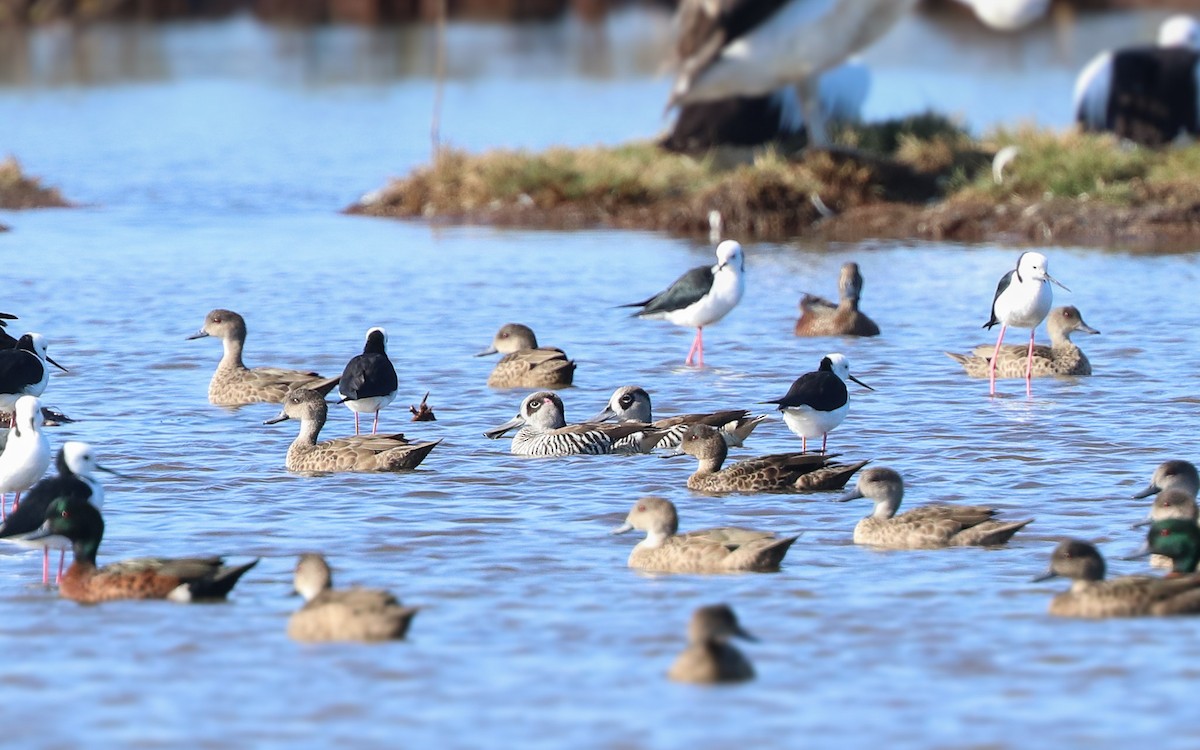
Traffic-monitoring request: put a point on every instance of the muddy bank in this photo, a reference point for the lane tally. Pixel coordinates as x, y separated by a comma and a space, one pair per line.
20, 191
1059, 221
920, 178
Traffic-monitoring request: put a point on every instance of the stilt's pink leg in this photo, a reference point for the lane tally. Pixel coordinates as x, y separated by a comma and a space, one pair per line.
45, 566
3, 501
16, 501
992, 364
1029, 367
375, 424
803, 444
692, 350
355, 423
700, 339
62, 557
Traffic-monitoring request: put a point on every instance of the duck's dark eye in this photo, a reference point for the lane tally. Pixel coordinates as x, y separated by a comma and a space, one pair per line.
217, 319
65, 514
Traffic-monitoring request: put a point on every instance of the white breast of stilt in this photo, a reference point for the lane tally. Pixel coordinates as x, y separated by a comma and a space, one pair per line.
807, 422
729, 283
1025, 303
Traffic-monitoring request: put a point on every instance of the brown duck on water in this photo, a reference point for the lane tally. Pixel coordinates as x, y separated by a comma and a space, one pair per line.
354, 614
723, 550
234, 384
1091, 595
779, 472
927, 527
820, 317
525, 364
709, 657
351, 453
1062, 357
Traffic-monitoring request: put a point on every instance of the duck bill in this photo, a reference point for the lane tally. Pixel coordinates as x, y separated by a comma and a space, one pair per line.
852, 495
487, 352
1141, 524
864, 385
276, 420
603, 415
1085, 328
1151, 490
627, 526
197, 335
1044, 577
498, 432
673, 454
744, 634
51, 361
1057, 283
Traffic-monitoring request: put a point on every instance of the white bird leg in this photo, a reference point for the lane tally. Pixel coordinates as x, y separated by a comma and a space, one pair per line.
355, 423
814, 117
375, 424
992, 364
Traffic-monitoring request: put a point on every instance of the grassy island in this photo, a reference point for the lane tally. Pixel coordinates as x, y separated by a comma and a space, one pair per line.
922, 177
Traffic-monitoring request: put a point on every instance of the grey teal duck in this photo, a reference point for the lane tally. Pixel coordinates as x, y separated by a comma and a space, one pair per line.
352, 453
709, 657
1093, 596
354, 614
727, 550
1062, 357
234, 384
525, 364
927, 527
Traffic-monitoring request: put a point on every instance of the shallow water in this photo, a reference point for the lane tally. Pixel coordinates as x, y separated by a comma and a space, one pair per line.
533, 632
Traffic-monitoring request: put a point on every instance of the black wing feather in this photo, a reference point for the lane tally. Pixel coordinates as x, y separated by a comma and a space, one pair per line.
1005, 280
687, 290
368, 375
820, 390
18, 369
31, 513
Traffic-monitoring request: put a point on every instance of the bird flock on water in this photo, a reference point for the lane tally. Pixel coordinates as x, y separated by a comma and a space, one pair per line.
62, 511
728, 50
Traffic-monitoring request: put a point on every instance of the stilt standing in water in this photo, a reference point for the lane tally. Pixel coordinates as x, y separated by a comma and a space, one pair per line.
1022, 300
